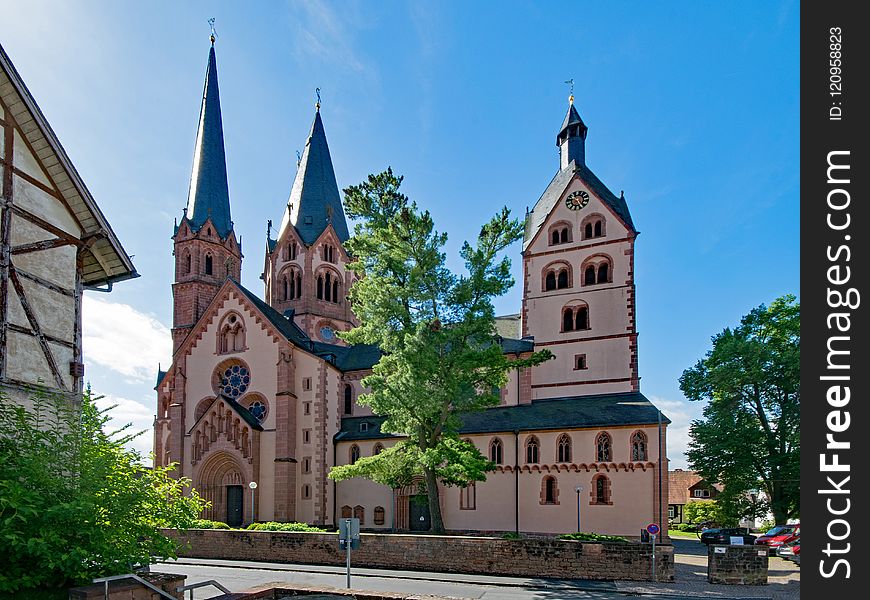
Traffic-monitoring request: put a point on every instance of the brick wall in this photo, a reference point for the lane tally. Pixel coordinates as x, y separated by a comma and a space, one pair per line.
737, 564
474, 555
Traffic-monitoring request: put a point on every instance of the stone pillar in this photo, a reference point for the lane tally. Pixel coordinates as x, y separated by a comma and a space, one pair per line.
743, 565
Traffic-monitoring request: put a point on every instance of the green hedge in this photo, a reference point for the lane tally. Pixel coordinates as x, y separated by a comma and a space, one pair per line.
296, 527
591, 537
206, 524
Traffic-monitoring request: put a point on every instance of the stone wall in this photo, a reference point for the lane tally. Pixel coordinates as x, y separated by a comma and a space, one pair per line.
474, 555
130, 589
737, 564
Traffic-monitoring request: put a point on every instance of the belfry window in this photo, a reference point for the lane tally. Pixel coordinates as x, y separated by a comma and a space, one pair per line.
557, 276
575, 317
348, 399
560, 233
208, 264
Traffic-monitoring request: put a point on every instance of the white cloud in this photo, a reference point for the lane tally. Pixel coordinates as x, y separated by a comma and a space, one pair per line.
139, 416
680, 414
120, 338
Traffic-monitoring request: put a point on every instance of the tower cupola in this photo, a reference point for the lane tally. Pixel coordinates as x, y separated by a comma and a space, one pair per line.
572, 138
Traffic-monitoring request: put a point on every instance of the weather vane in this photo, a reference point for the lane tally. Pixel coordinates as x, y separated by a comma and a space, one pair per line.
213, 35
317, 91
571, 83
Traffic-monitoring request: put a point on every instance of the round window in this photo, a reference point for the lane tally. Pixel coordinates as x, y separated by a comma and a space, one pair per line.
234, 381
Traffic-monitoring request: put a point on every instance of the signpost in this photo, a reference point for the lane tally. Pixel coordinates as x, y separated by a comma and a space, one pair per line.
253, 486
348, 538
653, 530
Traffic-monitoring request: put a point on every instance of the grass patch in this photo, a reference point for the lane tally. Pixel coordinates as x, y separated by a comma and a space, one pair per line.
592, 537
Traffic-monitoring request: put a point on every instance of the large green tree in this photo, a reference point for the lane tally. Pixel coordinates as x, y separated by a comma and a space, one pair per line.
74, 502
749, 436
436, 329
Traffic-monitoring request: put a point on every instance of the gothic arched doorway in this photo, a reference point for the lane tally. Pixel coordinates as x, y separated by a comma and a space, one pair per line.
221, 482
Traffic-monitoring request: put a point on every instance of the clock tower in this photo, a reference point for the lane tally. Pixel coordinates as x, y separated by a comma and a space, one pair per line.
578, 279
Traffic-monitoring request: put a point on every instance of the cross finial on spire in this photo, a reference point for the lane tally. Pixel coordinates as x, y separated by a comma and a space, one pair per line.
213, 35
317, 91
571, 83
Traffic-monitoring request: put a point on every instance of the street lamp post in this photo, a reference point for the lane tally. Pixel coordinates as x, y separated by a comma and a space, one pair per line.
578, 489
253, 486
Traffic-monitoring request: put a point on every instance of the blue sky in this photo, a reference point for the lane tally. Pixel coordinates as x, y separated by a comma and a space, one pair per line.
692, 109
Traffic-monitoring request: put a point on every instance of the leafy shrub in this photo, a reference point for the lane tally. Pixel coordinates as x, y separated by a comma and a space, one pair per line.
701, 511
296, 527
75, 504
511, 535
687, 527
207, 524
591, 537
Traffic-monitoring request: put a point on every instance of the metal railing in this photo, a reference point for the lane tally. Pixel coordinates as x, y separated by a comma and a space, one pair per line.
194, 586
105, 581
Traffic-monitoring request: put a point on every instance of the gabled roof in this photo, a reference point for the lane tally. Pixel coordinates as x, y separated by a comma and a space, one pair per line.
209, 195
104, 260
240, 410
554, 191
287, 327
603, 410
160, 376
314, 199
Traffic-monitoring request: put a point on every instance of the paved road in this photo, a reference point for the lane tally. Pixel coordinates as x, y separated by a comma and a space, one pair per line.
239, 576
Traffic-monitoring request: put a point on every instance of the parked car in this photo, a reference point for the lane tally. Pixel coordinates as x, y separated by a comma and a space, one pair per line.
790, 551
779, 535
723, 535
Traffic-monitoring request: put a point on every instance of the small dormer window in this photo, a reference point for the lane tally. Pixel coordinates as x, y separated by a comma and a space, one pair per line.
309, 220
363, 426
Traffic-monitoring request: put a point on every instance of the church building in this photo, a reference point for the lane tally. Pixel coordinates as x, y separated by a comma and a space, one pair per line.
261, 390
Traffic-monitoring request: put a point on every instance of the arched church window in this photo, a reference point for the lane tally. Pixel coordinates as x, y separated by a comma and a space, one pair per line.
598, 229
532, 450
258, 409
354, 454
231, 334
379, 447
603, 273
550, 491
601, 489
496, 451
587, 231
550, 281
564, 449
603, 447
186, 263
208, 264
560, 233
589, 276
327, 288
567, 319
329, 253
320, 287
638, 446
582, 318
348, 399
562, 279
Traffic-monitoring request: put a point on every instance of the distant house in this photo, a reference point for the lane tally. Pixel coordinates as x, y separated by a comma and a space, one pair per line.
684, 487
54, 244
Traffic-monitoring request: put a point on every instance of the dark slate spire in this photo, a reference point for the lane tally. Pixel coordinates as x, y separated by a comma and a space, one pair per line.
209, 193
314, 200
572, 137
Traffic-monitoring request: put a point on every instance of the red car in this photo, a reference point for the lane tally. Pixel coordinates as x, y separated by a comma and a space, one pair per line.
779, 535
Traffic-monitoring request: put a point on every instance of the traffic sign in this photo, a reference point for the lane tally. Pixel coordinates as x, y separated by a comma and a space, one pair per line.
653, 529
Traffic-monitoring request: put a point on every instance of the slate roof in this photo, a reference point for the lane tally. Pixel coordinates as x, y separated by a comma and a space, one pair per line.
603, 410
314, 199
350, 358
209, 194
573, 118
160, 376
287, 327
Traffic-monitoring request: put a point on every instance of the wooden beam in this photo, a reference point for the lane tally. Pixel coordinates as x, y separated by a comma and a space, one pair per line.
5, 244
37, 246
43, 282
50, 338
24, 214
34, 324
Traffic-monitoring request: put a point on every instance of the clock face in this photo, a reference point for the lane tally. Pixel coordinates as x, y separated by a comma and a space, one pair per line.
577, 200
327, 333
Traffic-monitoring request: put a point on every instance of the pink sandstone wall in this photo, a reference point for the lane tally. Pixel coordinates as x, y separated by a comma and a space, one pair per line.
475, 555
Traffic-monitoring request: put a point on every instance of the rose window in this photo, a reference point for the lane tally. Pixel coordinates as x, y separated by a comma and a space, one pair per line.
234, 381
